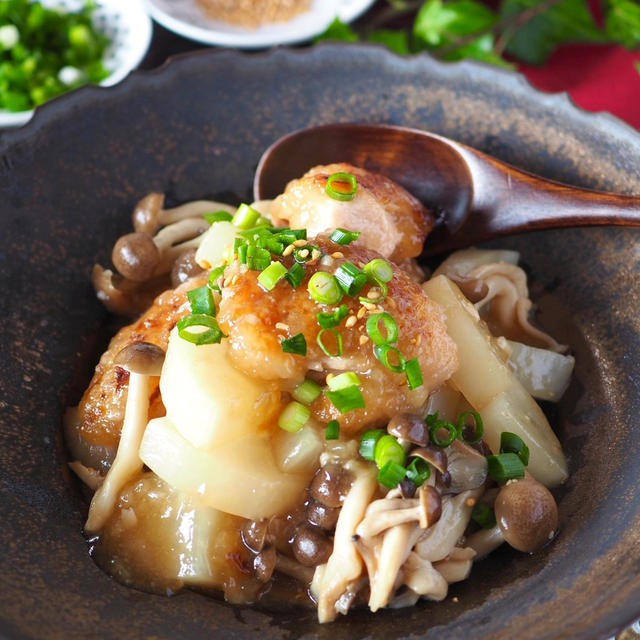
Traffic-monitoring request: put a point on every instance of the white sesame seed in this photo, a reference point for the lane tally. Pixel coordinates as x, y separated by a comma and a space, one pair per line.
288, 250
351, 320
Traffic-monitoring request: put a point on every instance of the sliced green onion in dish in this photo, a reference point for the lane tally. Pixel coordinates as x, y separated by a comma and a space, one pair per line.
326, 349
200, 328
341, 185
294, 416
246, 217
505, 466
414, 373
390, 357
478, 431
391, 474
343, 380
350, 278
512, 443
324, 288
418, 471
295, 344
272, 245
201, 300
332, 432
295, 274
484, 515
346, 399
388, 448
218, 216
344, 236
214, 278
328, 319
270, 277
307, 391
305, 253
435, 431
257, 258
373, 296
368, 442
389, 325
379, 269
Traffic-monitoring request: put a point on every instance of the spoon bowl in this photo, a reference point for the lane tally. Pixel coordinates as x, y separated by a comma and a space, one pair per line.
473, 196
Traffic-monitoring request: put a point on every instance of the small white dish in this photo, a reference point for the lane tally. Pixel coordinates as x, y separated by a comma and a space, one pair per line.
128, 26
188, 19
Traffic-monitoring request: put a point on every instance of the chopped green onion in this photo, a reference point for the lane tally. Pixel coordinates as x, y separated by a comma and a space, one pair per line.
325, 349
201, 300
344, 236
258, 259
512, 443
436, 426
390, 328
214, 278
391, 474
418, 471
505, 466
307, 391
479, 428
294, 416
350, 278
343, 380
484, 515
328, 319
242, 253
333, 430
246, 216
346, 399
368, 442
414, 373
383, 353
270, 244
270, 277
218, 216
212, 333
304, 253
376, 300
324, 288
388, 448
295, 344
341, 186
379, 269
295, 274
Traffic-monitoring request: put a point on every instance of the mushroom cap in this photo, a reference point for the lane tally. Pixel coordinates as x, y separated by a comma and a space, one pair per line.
135, 256
145, 215
143, 358
527, 514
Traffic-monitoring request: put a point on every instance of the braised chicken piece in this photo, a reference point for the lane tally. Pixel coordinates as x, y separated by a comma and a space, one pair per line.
391, 221
257, 321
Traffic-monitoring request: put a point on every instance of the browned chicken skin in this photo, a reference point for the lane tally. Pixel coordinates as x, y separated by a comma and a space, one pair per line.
391, 221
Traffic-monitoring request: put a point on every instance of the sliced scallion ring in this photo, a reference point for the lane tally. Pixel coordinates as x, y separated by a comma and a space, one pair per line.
324, 288
325, 349
199, 328
341, 185
478, 432
390, 357
390, 328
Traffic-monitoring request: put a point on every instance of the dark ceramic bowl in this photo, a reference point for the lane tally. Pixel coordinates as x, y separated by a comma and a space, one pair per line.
197, 128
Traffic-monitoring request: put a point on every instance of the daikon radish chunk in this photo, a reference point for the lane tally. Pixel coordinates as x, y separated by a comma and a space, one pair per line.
217, 240
208, 400
299, 451
492, 388
239, 477
543, 373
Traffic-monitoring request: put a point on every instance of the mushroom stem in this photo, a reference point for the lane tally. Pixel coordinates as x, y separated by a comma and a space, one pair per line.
127, 462
195, 208
179, 232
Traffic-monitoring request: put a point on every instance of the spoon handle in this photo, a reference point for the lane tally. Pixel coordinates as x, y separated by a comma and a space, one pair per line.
507, 200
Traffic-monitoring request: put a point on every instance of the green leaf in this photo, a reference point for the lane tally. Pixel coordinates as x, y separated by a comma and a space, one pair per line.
438, 23
338, 30
566, 21
395, 39
480, 49
622, 22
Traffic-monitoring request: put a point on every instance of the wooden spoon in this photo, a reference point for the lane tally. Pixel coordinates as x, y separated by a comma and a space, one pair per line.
474, 197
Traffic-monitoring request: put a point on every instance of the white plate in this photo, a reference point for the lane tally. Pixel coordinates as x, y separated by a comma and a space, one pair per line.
128, 26
188, 19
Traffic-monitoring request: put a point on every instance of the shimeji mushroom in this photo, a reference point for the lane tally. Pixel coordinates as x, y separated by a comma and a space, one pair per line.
526, 518
141, 359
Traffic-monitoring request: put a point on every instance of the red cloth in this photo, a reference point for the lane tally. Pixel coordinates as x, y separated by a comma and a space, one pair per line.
597, 77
